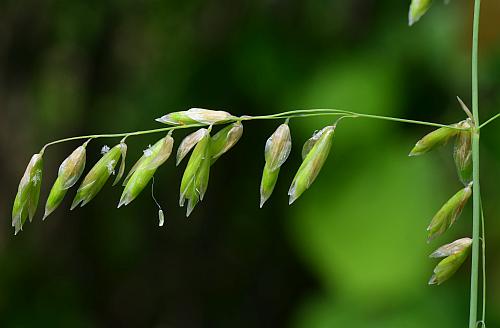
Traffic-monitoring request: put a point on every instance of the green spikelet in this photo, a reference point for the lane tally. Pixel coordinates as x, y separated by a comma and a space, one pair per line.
28, 193
418, 8
276, 152
145, 168
448, 213
312, 163
455, 254
97, 176
70, 171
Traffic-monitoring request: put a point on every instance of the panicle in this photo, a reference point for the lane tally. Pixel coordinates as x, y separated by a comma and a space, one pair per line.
28, 193
448, 213
196, 116
312, 163
145, 168
276, 152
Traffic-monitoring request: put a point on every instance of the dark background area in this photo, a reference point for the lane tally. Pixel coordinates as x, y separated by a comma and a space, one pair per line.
351, 252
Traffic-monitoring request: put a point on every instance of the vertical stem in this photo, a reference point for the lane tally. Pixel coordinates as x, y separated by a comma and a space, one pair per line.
475, 162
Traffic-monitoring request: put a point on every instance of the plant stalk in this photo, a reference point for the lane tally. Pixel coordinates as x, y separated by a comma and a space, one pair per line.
476, 200
279, 116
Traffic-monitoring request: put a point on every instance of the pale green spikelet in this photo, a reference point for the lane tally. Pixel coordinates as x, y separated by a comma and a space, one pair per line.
196, 116
225, 139
70, 170
312, 163
451, 248
98, 175
455, 254
145, 168
195, 178
418, 8
434, 139
188, 143
448, 213
462, 153
28, 193
276, 152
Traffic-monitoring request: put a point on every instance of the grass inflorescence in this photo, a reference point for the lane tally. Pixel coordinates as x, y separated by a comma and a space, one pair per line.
206, 147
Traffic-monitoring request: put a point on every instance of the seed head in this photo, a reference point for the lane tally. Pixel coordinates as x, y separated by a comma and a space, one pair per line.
455, 255
417, 9
97, 176
195, 178
28, 193
145, 168
225, 139
433, 140
70, 171
196, 116
276, 152
312, 163
448, 213
462, 153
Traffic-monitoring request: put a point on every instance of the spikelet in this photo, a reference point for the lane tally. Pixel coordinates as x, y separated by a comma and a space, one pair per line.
69, 172
145, 168
195, 178
448, 213
188, 143
225, 139
276, 152
462, 153
434, 139
454, 255
28, 193
312, 163
97, 176
196, 116
418, 8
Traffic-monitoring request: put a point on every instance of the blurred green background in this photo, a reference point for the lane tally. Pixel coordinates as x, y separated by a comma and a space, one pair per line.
351, 252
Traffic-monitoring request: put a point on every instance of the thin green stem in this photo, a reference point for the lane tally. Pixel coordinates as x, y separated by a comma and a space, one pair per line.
299, 113
483, 251
489, 121
475, 169
402, 120
124, 135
